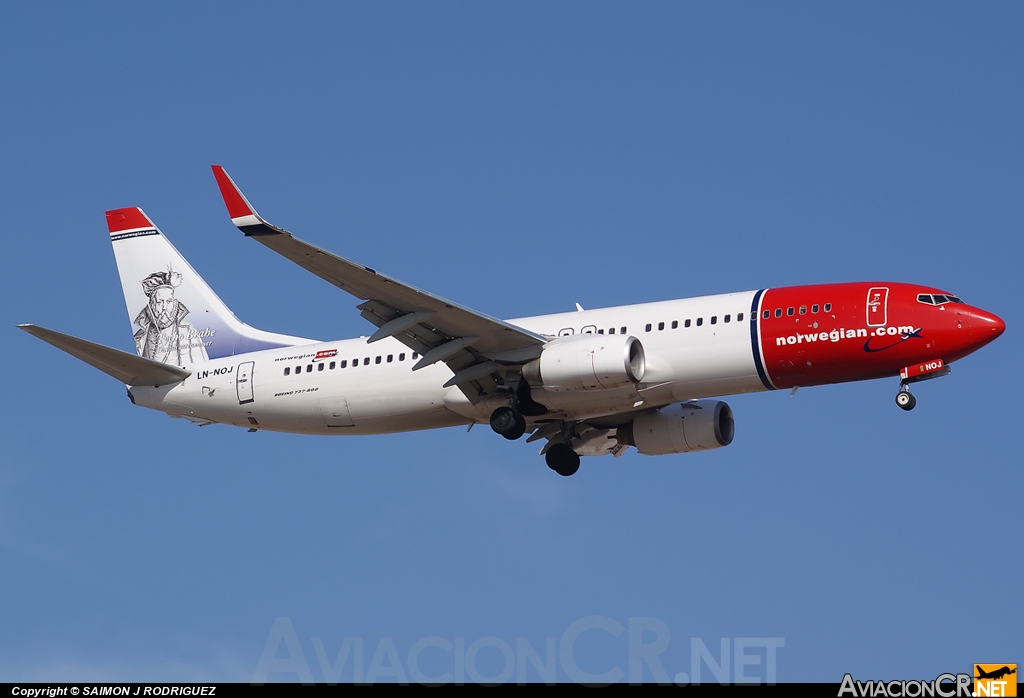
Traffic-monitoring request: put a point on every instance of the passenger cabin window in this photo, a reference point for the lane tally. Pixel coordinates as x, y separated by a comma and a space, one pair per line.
714, 319
319, 367
287, 370
803, 309
611, 330
828, 307
377, 360
789, 310
401, 357
675, 324
739, 317
622, 330
700, 321
391, 357
814, 308
332, 365
344, 363
661, 326
686, 323
766, 314
298, 369
415, 355
648, 328
601, 331
309, 368
727, 318
778, 312
366, 361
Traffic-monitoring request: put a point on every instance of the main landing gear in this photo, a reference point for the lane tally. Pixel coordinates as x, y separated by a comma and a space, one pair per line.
507, 422
562, 459
559, 456
904, 399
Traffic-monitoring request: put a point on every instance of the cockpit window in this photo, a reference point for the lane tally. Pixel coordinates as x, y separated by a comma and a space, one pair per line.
937, 298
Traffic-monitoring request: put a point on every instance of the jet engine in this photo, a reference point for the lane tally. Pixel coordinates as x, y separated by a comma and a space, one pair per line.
587, 362
697, 425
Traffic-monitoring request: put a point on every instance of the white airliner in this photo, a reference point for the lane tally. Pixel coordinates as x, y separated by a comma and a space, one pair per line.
589, 382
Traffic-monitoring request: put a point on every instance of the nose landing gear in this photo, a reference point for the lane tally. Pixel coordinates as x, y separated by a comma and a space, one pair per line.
926, 370
904, 399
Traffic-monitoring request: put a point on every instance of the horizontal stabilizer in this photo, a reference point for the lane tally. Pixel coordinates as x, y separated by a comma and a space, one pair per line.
127, 368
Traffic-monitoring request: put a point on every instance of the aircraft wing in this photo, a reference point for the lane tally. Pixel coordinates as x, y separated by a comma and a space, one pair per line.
127, 368
473, 345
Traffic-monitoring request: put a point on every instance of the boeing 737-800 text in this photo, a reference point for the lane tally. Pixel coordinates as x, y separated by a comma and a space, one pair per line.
589, 382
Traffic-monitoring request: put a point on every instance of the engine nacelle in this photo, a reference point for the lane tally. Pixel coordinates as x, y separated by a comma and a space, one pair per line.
588, 362
681, 428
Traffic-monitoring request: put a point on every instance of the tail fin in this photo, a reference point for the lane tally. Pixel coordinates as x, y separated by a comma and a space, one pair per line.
176, 317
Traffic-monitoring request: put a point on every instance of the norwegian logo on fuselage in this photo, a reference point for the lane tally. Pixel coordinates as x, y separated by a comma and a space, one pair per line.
325, 354
900, 333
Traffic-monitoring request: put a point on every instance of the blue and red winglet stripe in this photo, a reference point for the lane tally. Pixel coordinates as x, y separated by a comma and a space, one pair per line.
121, 219
238, 207
243, 215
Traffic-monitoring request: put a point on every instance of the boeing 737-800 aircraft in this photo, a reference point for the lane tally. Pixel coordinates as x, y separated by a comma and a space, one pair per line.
589, 382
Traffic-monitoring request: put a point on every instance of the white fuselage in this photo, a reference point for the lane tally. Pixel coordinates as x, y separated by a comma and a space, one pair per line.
291, 389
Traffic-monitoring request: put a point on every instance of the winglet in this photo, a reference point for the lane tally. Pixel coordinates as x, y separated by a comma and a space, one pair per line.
121, 220
243, 215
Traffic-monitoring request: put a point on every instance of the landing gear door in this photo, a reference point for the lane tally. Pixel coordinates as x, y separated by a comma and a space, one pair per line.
243, 382
878, 302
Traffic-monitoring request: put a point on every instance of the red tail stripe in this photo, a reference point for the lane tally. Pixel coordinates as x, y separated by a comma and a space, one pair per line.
127, 219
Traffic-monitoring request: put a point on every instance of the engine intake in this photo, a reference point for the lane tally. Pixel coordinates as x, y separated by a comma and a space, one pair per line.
697, 425
588, 362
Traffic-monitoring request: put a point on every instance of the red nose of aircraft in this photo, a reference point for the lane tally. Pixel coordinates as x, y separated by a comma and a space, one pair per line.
985, 326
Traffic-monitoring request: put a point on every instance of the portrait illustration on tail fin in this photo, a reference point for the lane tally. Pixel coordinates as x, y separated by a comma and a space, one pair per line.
164, 335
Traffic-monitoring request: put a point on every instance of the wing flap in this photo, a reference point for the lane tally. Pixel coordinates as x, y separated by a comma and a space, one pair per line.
127, 368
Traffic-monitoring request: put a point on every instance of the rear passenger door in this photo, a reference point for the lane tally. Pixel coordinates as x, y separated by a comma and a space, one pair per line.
243, 382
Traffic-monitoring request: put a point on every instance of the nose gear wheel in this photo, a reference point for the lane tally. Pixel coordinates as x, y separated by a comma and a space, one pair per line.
904, 399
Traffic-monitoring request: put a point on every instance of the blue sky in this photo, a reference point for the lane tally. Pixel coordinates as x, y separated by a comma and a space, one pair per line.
516, 158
